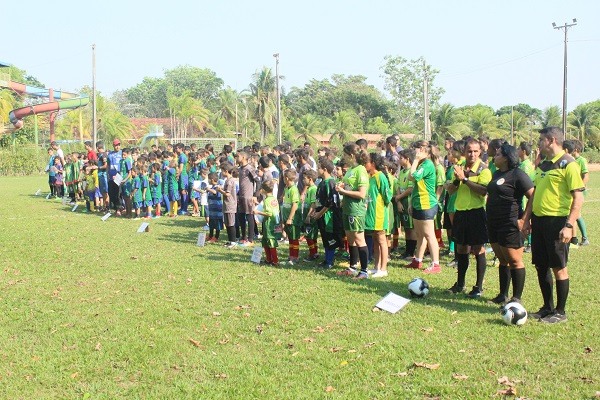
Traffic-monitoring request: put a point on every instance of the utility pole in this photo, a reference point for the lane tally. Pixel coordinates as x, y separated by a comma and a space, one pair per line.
276, 55
426, 132
565, 27
94, 123
512, 126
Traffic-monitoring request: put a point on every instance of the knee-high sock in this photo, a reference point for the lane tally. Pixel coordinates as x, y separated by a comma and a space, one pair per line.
363, 255
546, 285
369, 240
504, 274
250, 218
463, 265
329, 256
411, 246
518, 281
562, 292
312, 247
353, 256
438, 236
395, 236
274, 258
294, 249
481, 266
581, 225
267, 254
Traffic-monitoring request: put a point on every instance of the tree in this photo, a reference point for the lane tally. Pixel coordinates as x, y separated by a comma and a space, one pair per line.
263, 92
306, 127
226, 105
342, 128
445, 120
583, 118
186, 112
530, 112
482, 120
551, 116
404, 80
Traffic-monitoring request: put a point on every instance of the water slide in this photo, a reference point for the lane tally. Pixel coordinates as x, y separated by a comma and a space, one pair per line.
67, 101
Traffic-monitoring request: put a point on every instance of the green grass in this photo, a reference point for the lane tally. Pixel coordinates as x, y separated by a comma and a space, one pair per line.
92, 309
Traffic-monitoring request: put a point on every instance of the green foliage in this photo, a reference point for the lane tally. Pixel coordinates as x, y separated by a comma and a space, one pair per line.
24, 161
404, 80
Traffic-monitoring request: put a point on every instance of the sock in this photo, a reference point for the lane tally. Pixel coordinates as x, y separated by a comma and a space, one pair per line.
581, 225
174, 207
211, 232
231, 234
481, 266
274, 258
294, 249
411, 246
529, 239
329, 256
185, 200
438, 236
217, 234
157, 212
518, 281
363, 255
463, 265
546, 286
395, 236
312, 246
167, 204
562, 292
451, 245
369, 240
346, 246
353, 256
504, 275
87, 205
267, 254
251, 227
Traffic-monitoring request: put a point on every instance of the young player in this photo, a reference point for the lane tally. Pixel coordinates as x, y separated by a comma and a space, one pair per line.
136, 191
102, 176
146, 193
248, 191
402, 198
92, 189
292, 217
229, 203
156, 188
173, 187
270, 213
125, 167
215, 208
182, 174
310, 225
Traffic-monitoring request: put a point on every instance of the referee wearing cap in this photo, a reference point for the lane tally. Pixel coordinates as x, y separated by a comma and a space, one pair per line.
114, 158
551, 212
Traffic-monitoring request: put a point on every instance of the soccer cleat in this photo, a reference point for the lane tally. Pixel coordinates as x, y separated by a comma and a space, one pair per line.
456, 288
231, 245
324, 265
291, 262
361, 275
433, 269
372, 271
347, 272
475, 293
414, 264
584, 242
500, 299
541, 314
453, 263
380, 274
312, 258
554, 318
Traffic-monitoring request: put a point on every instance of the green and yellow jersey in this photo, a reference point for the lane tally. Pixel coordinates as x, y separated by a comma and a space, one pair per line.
356, 177
466, 199
291, 196
423, 195
378, 197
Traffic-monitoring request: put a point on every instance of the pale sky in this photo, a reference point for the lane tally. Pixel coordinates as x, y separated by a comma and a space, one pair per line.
490, 52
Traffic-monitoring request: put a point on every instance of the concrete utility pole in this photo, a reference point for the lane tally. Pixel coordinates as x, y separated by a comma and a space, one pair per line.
565, 27
276, 55
427, 130
94, 123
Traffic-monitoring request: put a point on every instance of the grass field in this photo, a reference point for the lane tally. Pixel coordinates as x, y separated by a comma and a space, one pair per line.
92, 309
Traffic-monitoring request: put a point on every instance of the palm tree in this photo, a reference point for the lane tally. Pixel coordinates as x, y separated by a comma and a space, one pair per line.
263, 94
482, 120
583, 118
551, 116
307, 126
342, 128
227, 103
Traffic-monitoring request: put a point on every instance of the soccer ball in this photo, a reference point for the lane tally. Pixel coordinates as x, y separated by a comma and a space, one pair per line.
418, 287
514, 314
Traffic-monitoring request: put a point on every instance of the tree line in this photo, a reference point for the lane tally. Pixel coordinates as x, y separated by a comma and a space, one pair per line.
197, 102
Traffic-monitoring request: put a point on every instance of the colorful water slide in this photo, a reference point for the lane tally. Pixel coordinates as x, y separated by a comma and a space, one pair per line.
67, 101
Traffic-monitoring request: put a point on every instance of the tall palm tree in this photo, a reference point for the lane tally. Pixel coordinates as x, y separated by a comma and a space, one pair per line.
307, 126
551, 116
583, 118
482, 120
342, 128
227, 103
263, 94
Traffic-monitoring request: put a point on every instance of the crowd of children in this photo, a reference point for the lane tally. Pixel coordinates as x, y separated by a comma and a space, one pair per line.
358, 204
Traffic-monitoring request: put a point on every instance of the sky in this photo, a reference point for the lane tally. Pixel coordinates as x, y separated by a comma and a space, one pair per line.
488, 52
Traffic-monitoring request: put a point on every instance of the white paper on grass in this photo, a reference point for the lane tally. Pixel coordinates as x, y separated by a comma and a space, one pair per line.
392, 303
75, 208
143, 227
118, 179
106, 216
257, 254
201, 239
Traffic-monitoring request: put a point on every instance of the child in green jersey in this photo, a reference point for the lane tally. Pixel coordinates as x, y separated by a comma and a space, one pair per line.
310, 225
136, 191
270, 213
156, 188
292, 217
402, 198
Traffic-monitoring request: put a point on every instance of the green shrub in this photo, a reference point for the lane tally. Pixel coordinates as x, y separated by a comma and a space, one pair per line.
592, 156
27, 161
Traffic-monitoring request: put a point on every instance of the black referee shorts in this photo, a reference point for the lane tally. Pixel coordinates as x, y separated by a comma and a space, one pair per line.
470, 227
546, 248
506, 233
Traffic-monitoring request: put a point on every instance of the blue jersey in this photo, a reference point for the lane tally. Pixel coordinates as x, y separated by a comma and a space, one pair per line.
102, 161
215, 204
114, 161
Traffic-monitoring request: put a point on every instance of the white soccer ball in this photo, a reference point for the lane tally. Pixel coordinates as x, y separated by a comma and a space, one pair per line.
514, 314
418, 287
